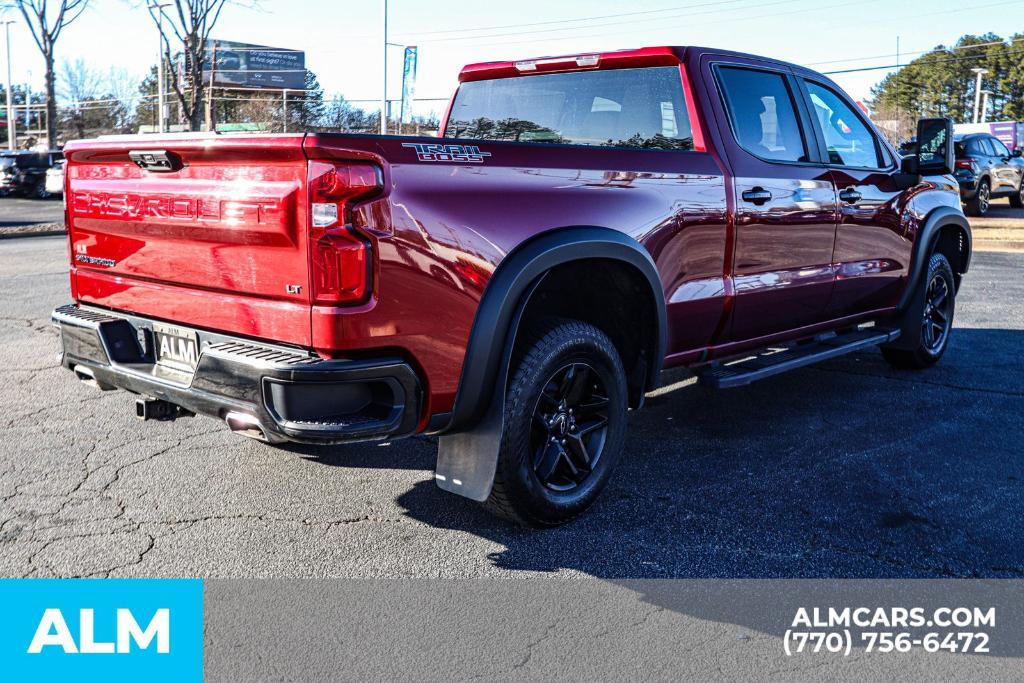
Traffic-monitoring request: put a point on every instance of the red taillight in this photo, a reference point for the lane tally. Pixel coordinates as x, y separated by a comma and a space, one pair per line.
965, 163
340, 256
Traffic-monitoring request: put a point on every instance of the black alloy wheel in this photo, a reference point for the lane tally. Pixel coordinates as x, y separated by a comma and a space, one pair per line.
938, 313
570, 427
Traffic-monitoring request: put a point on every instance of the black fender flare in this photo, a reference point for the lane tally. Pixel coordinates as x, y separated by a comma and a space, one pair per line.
924, 245
507, 293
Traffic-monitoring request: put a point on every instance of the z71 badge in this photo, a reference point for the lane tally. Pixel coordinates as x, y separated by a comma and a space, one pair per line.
463, 154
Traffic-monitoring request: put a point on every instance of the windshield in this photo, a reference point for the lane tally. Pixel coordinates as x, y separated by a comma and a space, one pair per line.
641, 108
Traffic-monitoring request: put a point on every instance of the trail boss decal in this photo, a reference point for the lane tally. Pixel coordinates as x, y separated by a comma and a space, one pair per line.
463, 154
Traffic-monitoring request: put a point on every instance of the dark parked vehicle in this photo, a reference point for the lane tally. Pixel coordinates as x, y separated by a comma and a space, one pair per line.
519, 284
24, 173
986, 169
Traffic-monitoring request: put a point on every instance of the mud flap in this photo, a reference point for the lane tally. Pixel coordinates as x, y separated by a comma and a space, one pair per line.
467, 460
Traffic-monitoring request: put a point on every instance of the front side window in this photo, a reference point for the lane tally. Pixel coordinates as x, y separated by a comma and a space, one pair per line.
762, 114
999, 147
641, 108
848, 139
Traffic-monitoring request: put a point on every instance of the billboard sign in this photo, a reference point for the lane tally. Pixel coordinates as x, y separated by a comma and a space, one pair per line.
243, 65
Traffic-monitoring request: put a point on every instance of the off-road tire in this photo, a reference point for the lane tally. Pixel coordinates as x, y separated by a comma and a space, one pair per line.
546, 349
928, 350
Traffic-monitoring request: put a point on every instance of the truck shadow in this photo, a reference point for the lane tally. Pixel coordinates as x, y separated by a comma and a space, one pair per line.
847, 469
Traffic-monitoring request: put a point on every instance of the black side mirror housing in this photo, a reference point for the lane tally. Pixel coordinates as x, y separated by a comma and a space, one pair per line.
935, 147
909, 164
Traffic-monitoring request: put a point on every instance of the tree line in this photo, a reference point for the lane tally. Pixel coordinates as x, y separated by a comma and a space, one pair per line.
941, 82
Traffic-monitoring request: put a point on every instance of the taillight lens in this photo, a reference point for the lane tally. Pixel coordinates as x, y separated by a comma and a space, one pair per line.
967, 164
341, 268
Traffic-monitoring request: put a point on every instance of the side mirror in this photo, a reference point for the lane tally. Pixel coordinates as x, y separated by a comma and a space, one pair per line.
935, 146
1016, 152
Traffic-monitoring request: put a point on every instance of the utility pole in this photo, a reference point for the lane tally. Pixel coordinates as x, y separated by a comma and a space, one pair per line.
977, 91
384, 90
984, 105
11, 123
284, 103
161, 118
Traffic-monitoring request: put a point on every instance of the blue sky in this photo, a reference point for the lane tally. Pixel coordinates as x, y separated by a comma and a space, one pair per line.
342, 37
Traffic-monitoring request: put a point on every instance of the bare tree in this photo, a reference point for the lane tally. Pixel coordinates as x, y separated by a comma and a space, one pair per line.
45, 21
188, 24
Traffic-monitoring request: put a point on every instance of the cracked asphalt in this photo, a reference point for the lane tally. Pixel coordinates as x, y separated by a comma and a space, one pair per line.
845, 469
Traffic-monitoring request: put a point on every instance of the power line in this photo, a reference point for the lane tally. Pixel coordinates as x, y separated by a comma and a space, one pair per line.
917, 52
668, 12
904, 66
717, 8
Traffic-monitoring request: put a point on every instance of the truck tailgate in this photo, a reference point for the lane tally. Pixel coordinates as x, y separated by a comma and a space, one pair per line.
218, 242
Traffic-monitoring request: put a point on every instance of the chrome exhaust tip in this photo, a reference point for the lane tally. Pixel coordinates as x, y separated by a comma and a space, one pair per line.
246, 425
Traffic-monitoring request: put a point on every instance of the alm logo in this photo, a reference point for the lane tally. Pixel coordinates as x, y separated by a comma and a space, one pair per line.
53, 631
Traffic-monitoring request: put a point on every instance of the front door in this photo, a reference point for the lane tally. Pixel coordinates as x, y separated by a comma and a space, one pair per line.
785, 201
871, 255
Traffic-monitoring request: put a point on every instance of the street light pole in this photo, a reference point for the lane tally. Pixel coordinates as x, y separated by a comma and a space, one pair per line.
384, 92
11, 136
977, 91
161, 120
984, 105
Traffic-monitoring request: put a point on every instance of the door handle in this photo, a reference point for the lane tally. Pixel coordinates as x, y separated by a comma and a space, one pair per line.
757, 195
850, 195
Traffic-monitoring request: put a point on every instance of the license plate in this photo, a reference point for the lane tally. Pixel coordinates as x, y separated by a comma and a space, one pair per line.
176, 347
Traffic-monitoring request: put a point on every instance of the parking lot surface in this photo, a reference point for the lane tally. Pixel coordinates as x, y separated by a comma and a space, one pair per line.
845, 469
19, 211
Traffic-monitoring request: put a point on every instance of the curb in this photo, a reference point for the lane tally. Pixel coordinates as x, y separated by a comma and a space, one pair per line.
32, 233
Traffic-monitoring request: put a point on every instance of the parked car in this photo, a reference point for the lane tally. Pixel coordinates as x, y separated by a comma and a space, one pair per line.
24, 172
55, 178
518, 285
986, 169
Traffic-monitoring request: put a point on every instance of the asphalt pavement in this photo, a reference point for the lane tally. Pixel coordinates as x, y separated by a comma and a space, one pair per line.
845, 469
20, 211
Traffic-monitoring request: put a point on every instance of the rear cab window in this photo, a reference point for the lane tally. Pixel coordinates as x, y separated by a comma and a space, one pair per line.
640, 108
762, 113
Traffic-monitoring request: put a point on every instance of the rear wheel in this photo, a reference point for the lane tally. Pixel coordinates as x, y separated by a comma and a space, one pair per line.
936, 319
565, 423
978, 206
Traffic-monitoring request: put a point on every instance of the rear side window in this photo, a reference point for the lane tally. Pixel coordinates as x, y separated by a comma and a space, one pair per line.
847, 138
642, 108
762, 114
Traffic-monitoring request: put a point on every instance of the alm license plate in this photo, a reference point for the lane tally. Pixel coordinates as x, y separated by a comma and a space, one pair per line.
176, 347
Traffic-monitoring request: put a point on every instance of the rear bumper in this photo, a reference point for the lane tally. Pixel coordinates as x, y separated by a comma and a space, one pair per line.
271, 392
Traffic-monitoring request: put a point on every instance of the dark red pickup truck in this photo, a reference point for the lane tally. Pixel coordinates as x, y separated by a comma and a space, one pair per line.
517, 285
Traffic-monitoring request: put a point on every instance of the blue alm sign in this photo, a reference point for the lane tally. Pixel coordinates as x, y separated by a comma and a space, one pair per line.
101, 629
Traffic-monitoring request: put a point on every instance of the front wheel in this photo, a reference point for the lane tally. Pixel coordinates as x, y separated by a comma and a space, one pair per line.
935, 317
565, 423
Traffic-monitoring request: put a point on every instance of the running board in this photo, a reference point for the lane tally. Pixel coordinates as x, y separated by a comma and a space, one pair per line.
774, 361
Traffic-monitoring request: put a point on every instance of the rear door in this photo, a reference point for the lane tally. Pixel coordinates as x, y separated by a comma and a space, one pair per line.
785, 199
217, 241
871, 255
